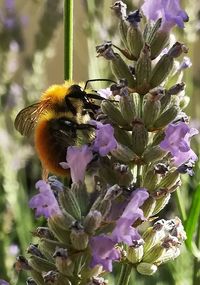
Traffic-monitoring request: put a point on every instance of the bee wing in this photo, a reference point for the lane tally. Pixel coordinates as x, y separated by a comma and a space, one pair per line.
27, 118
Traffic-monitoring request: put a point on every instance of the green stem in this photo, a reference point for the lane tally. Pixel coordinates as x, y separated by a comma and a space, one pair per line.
181, 206
138, 178
125, 274
68, 39
196, 270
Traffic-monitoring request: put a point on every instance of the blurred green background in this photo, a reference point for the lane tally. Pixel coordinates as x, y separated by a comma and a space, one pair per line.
31, 59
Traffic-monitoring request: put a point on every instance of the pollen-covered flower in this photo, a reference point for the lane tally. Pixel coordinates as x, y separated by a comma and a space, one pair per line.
103, 252
45, 202
168, 10
77, 160
123, 231
105, 140
177, 142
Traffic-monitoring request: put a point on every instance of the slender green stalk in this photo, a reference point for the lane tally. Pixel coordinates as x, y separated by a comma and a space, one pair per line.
125, 274
68, 39
138, 178
196, 269
181, 206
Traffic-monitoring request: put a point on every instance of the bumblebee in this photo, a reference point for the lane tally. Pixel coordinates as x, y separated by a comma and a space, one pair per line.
57, 121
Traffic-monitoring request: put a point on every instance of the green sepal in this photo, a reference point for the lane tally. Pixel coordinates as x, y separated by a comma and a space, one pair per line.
161, 203
161, 70
123, 29
69, 202
166, 117
60, 233
135, 40
150, 180
48, 247
135, 254
124, 154
169, 180
40, 264
148, 207
79, 239
37, 277
129, 106
153, 153
139, 138
81, 194
121, 70
143, 70
151, 111
145, 268
159, 41
113, 113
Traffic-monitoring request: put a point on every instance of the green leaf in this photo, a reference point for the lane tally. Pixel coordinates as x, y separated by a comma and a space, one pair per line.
192, 222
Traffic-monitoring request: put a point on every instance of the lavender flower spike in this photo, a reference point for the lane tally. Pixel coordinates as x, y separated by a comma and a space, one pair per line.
77, 160
124, 232
3, 282
45, 202
105, 140
103, 252
177, 142
168, 10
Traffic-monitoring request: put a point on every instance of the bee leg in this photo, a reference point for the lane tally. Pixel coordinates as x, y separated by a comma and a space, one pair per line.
45, 174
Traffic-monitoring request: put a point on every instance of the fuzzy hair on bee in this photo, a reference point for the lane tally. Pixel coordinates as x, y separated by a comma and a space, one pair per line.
57, 121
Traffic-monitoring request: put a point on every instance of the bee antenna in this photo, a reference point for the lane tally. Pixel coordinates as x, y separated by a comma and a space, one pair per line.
93, 80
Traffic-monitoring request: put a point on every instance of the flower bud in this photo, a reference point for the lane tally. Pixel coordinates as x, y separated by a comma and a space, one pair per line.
150, 180
145, 268
161, 203
69, 202
157, 40
124, 154
48, 246
135, 252
161, 70
121, 70
154, 235
169, 180
152, 154
113, 113
34, 250
166, 117
79, 238
151, 110
175, 89
165, 101
139, 137
123, 137
81, 194
143, 70
42, 232
148, 207
119, 7
135, 39
129, 106
63, 262
158, 137
177, 49
154, 254
40, 264
97, 281
21, 264
37, 277
92, 221
57, 229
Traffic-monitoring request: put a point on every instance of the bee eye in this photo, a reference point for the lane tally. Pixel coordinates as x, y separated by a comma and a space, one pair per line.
75, 88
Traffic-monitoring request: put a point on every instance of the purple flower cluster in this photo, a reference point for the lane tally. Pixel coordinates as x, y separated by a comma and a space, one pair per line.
45, 202
103, 247
168, 10
177, 142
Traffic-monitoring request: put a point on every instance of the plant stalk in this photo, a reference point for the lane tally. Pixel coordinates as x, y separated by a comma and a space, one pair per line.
68, 39
125, 274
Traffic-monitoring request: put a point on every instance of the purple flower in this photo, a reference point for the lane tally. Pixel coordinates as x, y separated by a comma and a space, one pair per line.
177, 142
123, 231
77, 160
186, 63
168, 10
45, 202
105, 140
103, 252
3, 282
